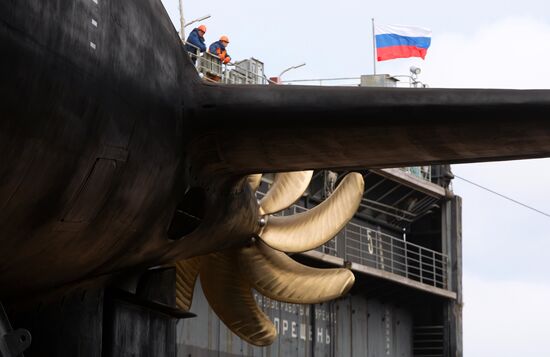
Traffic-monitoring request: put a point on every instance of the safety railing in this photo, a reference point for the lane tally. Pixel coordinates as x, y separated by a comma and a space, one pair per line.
350, 82
211, 69
341, 81
372, 248
382, 251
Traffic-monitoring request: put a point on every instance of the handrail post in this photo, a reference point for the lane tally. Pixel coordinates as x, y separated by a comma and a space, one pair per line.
345, 245
406, 259
421, 265
376, 249
445, 274
433, 263
361, 244
392, 255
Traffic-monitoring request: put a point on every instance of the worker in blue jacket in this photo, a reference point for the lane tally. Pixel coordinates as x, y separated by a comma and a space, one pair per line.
218, 49
196, 42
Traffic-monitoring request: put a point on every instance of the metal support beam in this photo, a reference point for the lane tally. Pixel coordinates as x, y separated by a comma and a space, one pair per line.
452, 228
413, 182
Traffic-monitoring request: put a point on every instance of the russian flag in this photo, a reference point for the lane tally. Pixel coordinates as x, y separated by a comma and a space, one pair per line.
395, 41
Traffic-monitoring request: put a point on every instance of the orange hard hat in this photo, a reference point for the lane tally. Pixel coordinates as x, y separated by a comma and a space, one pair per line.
202, 28
224, 39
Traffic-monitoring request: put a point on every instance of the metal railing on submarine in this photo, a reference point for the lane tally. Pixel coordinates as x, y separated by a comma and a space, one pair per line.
211, 69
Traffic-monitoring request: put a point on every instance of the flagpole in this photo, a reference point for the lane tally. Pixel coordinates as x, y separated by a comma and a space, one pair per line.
182, 22
373, 47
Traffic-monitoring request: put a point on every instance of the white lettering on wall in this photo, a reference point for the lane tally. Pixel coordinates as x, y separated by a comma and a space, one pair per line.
303, 332
285, 326
387, 320
299, 316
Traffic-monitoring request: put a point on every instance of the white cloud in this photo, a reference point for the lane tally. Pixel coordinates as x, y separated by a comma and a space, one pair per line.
511, 53
508, 319
503, 240
506, 249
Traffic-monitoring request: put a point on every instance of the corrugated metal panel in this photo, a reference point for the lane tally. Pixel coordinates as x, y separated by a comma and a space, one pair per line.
389, 330
200, 335
403, 333
351, 326
358, 326
376, 330
341, 340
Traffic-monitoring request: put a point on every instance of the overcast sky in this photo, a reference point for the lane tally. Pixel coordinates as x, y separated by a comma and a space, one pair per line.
483, 44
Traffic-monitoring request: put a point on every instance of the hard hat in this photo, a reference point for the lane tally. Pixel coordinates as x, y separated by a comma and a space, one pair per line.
202, 28
224, 39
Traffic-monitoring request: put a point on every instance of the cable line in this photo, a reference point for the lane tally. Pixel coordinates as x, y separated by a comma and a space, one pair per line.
504, 196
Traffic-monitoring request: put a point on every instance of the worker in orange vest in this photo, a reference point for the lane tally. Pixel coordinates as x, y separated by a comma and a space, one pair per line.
218, 48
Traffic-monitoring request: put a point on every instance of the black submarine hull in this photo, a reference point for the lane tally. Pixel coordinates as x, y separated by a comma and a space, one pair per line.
91, 139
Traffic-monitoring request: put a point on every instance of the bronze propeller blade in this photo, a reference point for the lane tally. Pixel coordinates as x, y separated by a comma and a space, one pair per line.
286, 189
230, 296
281, 278
186, 276
310, 229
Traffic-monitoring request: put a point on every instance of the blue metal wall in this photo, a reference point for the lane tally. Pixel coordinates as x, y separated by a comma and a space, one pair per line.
351, 326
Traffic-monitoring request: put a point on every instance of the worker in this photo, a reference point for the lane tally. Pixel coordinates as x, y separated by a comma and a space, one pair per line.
218, 48
196, 42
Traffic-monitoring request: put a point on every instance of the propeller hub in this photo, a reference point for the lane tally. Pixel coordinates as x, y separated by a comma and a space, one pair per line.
262, 221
